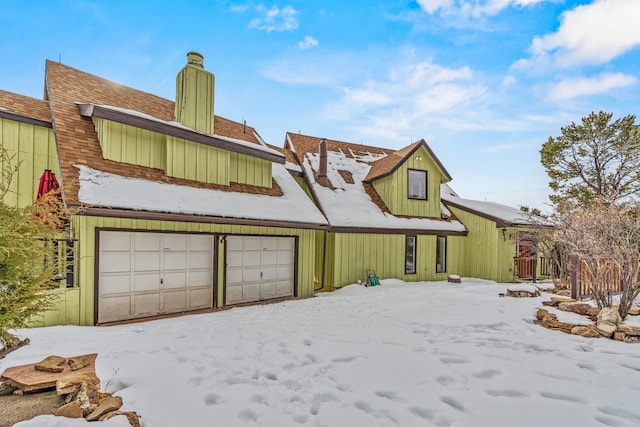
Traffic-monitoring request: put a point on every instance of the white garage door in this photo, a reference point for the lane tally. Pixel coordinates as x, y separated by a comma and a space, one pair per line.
259, 268
149, 274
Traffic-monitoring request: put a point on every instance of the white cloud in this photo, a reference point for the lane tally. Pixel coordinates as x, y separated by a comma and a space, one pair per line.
308, 42
276, 19
473, 8
591, 34
572, 88
239, 8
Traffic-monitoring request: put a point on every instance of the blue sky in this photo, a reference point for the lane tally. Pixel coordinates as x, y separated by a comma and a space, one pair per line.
484, 82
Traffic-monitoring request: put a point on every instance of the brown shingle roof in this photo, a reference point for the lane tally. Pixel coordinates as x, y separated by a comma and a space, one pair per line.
78, 142
25, 106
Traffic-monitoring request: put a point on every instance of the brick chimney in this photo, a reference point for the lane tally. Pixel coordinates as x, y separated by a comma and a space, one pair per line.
322, 170
194, 95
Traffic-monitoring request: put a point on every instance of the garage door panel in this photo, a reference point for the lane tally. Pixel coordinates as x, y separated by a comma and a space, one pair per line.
233, 294
114, 241
285, 272
143, 282
199, 243
174, 301
269, 273
176, 279
115, 262
286, 244
269, 257
234, 259
234, 276
115, 284
269, 290
116, 308
174, 242
174, 261
252, 244
146, 242
199, 278
284, 288
251, 274
200, 260
251, 292
285, 257
200, 297
269, 244
146, 261
146, 304
251, 258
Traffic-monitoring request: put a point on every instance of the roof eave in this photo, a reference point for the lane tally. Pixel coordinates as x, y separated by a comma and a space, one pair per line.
24, 119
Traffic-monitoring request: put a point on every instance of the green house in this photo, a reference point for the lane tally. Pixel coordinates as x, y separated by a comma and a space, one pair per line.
174, 209
392, 213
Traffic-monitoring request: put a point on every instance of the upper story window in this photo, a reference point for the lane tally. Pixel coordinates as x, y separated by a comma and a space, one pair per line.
417, 184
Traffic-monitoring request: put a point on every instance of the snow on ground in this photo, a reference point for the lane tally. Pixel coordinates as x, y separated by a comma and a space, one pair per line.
400, 354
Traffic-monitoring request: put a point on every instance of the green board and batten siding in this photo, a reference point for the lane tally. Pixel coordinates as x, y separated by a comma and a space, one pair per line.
178, 157
85, 231
394, 188
129, 144
488, 252
34, 148
351, 255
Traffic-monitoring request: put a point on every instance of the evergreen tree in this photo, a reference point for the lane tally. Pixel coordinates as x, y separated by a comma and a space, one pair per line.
595, 158
26, 258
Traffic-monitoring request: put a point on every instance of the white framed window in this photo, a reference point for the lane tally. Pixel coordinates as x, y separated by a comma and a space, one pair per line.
410, 255
417, 187
441, 254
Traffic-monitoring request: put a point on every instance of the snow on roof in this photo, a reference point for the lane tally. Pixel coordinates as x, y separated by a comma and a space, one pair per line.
495, 210
348, 205
104, 189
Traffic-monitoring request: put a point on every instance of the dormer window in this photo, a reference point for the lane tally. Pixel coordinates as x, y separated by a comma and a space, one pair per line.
417, 184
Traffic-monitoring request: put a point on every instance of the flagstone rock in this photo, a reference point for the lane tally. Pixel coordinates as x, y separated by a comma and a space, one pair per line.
88, 397
541, 314
69, 410
551, 322
606, 329
110, 404
581, 308
629, 329
585, 331
555, 301
609, 315
618, 336
132, 416
51, 364
634, 310
79, 362
69, 383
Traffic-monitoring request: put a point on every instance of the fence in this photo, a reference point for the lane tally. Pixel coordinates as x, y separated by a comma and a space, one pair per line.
583, 279
530, 267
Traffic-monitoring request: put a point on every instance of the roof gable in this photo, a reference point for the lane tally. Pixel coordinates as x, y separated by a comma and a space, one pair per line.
349, 202
389, 164
81, 155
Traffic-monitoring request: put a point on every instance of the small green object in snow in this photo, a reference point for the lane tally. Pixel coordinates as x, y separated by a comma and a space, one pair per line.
372, 278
